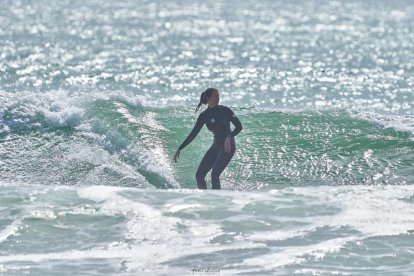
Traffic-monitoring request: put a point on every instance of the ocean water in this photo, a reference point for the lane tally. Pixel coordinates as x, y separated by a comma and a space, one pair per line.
95, 97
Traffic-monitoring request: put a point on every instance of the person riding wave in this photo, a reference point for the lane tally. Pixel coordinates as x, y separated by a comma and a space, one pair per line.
217, 118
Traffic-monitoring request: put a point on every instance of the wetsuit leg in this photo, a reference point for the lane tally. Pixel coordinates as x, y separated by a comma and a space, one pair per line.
222, 160
205, 166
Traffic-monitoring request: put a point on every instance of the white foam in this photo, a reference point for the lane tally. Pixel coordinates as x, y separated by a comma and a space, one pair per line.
378, 211
403, 123
102, 161
176, 208
152, 154
10, 230
148, 120
98, 193
156, 236
44, 214
371, 211
155, 233
60, 108
294, 255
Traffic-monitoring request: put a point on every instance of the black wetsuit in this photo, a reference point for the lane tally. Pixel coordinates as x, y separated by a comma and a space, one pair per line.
217, 120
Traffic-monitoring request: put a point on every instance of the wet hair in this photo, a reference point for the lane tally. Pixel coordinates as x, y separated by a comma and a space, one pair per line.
204, 97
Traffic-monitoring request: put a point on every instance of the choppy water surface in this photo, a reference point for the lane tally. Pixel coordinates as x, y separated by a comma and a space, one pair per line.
347, 230
96, 96
300, 54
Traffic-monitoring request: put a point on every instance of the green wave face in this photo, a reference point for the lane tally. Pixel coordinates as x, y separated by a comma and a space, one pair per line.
312, 148
117, 143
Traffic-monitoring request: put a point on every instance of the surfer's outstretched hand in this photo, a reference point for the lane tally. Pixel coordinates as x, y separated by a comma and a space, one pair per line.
176, 156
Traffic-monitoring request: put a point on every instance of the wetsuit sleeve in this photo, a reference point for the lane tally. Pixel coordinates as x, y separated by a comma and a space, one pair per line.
193, 134
236, 122
237, 125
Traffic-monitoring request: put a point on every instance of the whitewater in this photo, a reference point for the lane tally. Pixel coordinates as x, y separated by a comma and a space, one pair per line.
95, 97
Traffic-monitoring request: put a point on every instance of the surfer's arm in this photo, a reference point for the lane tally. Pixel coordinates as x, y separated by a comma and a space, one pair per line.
237, 125
193, 134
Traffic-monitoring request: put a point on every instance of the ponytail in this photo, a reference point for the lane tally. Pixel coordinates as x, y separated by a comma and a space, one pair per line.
203, 100
204, 97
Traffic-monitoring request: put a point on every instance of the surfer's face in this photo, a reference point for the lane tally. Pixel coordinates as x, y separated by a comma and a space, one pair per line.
214, 99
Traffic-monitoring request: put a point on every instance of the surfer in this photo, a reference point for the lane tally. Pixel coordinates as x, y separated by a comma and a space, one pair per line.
217, 118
